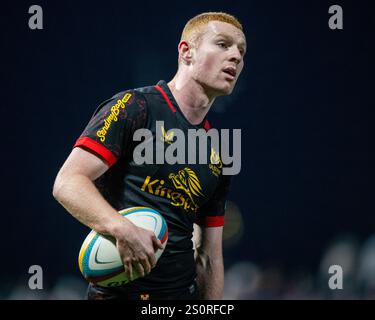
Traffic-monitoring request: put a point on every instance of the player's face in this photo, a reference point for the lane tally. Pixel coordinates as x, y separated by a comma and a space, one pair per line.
218, 59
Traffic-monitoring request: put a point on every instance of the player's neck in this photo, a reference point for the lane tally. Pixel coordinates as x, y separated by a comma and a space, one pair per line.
191, 98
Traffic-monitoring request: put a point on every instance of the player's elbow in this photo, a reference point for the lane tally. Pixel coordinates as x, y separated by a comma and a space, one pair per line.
57, 190
68, 184
63, 187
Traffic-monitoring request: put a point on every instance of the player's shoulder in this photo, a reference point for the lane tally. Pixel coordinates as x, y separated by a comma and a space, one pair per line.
147, 90
128, 95
140, 94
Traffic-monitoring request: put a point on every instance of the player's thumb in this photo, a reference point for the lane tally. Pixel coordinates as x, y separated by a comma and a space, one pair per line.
157, 243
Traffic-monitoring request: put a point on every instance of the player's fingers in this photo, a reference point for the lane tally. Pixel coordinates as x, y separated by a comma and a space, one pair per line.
156, 242
146, 263
151, 259
160, 244
125, 262
139, 265
140, 269
128, 270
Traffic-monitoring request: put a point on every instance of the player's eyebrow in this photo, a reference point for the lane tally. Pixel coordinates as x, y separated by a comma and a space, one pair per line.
229, 37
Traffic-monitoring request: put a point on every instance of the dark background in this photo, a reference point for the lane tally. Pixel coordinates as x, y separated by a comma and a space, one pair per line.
303, 103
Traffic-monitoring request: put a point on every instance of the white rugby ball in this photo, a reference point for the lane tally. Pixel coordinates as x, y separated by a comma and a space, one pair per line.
99, 260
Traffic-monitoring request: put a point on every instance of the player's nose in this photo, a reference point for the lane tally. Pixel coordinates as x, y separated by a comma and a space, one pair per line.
235, 55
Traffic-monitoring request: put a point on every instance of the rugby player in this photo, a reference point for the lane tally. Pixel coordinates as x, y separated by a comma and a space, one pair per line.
101, 177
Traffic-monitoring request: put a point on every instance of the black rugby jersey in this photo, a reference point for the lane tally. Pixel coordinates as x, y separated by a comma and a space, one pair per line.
182, 193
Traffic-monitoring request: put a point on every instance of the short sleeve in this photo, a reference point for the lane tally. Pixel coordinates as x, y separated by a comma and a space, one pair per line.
109, 133
211, 214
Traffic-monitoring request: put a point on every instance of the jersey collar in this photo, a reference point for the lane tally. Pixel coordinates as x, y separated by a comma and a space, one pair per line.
164, 90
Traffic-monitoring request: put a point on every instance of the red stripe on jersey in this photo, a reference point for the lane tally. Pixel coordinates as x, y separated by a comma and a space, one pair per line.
165, 97
97, 148
217, 221
206, 125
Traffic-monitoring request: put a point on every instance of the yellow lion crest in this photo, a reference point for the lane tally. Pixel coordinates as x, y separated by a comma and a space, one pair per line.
187, 181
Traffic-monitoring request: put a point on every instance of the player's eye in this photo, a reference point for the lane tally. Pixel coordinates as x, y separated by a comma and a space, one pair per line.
222, 44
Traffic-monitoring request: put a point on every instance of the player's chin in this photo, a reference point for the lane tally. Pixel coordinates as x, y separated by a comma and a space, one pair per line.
222, 88
226, 88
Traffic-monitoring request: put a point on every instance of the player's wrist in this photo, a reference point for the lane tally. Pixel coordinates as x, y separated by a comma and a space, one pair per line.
119, 226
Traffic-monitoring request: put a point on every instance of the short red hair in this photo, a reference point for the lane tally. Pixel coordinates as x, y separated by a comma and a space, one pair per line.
194, 26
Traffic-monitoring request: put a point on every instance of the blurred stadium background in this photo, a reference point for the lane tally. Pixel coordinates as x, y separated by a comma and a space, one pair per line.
304, 198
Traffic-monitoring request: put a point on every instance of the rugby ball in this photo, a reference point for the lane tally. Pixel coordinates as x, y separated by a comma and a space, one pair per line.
99, 260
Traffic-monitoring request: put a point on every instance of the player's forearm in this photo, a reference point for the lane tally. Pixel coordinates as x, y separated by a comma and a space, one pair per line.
210, 276
80, 197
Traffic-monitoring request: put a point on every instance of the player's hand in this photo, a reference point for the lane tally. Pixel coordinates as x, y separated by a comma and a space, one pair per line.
137, 247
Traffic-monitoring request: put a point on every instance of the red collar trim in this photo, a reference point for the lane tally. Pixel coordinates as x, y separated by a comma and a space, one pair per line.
165, 97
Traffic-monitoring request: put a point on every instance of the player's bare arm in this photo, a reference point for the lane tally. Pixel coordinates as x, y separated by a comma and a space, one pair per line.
210, 266
75, 190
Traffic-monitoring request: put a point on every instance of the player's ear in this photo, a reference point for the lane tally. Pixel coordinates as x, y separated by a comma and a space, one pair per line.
185, 52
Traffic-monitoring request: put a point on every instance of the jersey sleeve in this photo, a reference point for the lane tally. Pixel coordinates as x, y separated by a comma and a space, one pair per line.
211, 214
109, 133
